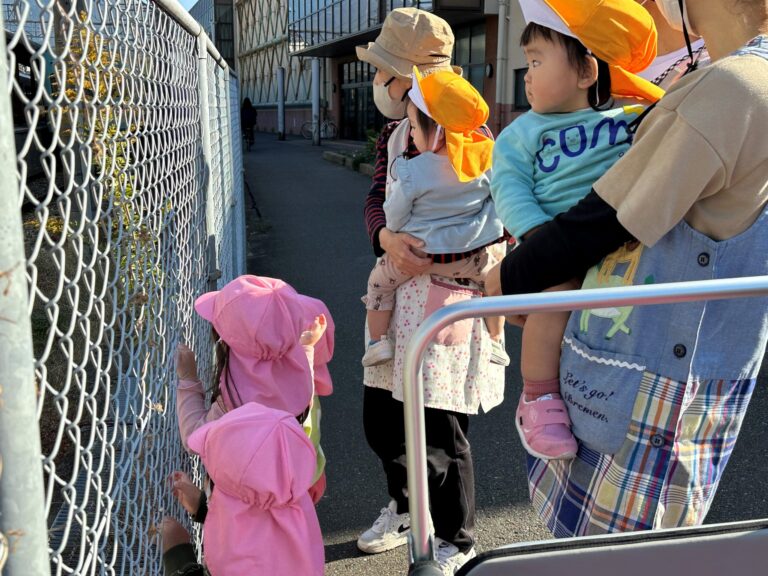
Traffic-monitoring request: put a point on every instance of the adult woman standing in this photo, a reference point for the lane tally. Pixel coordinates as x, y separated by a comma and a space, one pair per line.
460, 375
657, 394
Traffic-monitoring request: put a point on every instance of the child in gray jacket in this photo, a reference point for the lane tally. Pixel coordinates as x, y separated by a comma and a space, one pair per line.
442, 197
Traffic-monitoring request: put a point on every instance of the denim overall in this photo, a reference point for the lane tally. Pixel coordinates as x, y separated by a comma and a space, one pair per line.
656, 394
607, 352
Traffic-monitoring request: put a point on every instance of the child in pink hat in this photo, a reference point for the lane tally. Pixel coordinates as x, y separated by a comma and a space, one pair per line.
264, 354
260, 519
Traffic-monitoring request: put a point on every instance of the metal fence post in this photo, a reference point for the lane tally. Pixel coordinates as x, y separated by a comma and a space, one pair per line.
230, 170
238, 170
316, 101
230, 198
205, 130
22, 510
281, 103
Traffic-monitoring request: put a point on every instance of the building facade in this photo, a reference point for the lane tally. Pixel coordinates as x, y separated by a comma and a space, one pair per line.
289, 33
263, 46
217, 19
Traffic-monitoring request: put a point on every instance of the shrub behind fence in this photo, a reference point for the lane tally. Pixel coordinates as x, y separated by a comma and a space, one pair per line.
127, 180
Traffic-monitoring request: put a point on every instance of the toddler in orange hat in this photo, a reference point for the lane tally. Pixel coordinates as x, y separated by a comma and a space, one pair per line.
581, 56
442, 197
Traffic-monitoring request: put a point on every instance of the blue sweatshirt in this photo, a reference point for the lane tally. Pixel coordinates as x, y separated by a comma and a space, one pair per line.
545, 163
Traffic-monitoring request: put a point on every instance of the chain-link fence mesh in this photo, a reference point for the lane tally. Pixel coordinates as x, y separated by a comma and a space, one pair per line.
112, 186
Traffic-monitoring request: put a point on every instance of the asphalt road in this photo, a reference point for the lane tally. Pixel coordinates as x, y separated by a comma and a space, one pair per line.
311, 234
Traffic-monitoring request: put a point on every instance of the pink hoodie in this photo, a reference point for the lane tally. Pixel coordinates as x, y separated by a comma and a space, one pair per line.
260, 319
261, 323
261, 520
312, 308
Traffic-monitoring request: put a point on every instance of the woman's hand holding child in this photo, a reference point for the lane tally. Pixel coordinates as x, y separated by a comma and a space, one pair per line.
401, 249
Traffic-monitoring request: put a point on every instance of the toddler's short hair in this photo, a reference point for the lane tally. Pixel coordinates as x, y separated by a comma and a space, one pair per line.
600, 91
426, 123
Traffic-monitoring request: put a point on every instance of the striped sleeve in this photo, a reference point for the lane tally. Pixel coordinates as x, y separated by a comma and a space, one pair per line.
375, 219
373, 211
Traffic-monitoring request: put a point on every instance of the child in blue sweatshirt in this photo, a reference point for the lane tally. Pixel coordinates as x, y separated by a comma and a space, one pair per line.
544, 163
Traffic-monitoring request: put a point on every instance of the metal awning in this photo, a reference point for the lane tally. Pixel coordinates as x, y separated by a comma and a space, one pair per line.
345, 46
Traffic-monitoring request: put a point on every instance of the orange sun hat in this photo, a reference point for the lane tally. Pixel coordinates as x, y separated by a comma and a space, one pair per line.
460, 110
620, 32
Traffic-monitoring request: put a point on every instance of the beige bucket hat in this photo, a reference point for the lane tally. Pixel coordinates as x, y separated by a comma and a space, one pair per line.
411, 37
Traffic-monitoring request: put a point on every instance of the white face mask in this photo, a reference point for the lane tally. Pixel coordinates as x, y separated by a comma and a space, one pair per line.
390, 107
670, 9
436, 141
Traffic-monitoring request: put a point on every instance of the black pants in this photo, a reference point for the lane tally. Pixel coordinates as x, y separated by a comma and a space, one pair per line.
182, 561
451, 476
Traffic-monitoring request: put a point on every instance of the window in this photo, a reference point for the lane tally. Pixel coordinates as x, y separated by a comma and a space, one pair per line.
358, 111
318, 22
459, 4
469, 53
521, 100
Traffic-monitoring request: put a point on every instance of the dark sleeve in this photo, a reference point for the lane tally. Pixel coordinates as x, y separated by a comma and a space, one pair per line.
564, 248
202, 510
375, 219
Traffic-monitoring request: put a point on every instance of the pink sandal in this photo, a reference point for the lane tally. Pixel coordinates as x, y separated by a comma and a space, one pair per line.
545, 429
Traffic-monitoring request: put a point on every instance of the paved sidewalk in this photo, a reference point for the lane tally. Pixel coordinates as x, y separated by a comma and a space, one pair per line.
311, 234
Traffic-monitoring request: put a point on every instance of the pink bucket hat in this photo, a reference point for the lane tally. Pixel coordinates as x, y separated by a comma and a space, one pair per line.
260, 319
261, 519
312, 307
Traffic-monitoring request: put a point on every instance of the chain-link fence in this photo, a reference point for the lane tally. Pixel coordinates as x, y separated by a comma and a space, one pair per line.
127, 180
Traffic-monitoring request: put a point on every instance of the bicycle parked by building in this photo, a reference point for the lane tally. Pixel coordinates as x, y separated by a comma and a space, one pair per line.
328, 129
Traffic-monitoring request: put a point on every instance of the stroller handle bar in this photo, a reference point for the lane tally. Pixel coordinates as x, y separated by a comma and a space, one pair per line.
421, 541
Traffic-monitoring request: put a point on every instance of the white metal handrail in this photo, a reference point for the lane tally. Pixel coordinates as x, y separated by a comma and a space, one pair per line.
421, 541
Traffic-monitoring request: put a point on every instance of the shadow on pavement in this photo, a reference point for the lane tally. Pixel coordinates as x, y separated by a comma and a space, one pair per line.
342, 551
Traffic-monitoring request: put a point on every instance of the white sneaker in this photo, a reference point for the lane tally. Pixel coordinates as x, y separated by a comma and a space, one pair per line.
499, 354
449, 557
379, 353
389, 531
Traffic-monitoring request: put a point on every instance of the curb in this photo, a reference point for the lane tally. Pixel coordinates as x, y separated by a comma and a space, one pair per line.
334, 157
344, 160
366, 169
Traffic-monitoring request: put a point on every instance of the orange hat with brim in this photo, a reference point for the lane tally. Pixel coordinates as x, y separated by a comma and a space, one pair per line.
458, 107
620, 32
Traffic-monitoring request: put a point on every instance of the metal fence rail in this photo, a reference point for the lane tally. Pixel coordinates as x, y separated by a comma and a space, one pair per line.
421, 542
127, 182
